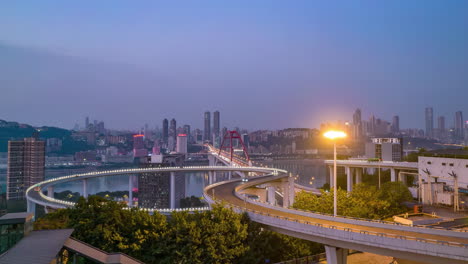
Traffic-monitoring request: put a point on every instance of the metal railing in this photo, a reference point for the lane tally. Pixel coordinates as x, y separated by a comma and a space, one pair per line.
336, 227
306, 260
52, 202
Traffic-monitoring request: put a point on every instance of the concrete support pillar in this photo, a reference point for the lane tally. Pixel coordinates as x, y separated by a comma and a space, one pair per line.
271, 193
50, 191
336, 255
130, 190
401, 177
85, 188
31, 207
230, 175
211, 160
172, 191
392, 175
292, 193
349, 179
286, 192
358, 175
210, 177
331, 177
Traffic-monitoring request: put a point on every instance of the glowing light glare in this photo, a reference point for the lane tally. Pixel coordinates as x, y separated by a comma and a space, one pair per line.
332, 134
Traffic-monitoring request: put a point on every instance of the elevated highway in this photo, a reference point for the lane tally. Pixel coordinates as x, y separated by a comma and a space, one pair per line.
342, 233
35, 194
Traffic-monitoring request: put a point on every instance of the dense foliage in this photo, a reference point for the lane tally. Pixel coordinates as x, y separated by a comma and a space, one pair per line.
365, 201
216, 236
191, 201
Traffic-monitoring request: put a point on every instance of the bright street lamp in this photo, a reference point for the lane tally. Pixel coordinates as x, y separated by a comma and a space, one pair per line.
334, 134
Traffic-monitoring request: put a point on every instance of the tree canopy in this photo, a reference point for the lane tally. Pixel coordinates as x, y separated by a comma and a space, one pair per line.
365, 201
216, 236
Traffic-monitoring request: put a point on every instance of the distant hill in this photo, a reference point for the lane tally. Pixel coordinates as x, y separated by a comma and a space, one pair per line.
17, 131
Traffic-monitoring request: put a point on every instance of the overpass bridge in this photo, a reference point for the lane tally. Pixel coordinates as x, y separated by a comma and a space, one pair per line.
339, 234
35, 194
354, 169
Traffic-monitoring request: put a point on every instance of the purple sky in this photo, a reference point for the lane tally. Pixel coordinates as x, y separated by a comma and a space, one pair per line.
262, 64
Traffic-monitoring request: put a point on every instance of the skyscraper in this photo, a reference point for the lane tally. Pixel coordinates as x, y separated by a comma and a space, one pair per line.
357, 125
459, 133
396, 124
371, 129
429, 122
26, 163
165, 131
186, 130
172, 134
139, 149
181, 144
441, 127
216, 124
87, 122
154, 188
207, 128
441, 123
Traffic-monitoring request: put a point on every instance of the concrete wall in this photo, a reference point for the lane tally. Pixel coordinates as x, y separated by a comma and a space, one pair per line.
437, 169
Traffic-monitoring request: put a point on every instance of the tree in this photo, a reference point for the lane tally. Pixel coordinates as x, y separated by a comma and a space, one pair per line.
395, 193
215, 236
265, 245
365, 201
56, 220
191, 201
106, 225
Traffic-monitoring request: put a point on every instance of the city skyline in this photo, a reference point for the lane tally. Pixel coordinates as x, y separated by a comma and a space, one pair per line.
234, 131
270, 55
393, 121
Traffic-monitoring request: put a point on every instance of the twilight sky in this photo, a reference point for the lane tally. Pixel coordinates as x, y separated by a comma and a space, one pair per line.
262, 64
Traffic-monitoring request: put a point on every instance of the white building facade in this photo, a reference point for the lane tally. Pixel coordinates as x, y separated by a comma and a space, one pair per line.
444, 181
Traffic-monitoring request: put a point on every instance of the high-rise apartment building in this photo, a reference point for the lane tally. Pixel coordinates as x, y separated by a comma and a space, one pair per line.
207, 127
371, 125
466, 134
186, 130
26, 165
441, 132
396, 124
139, 149
182, 143
357, 124
386, 149
441, 123
429, 115
165, 130
154, 188
172, 134
459, 131
216, 126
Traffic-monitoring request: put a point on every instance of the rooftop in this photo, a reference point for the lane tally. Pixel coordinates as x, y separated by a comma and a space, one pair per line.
22, 215
39, 247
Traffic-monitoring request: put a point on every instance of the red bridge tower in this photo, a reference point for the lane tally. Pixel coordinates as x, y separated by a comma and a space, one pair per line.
228, 137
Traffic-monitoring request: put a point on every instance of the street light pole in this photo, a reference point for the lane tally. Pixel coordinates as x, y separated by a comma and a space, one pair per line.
335, 209
333, 135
